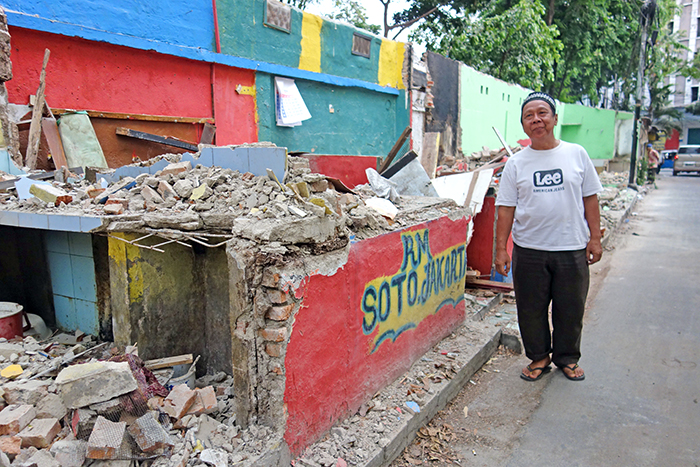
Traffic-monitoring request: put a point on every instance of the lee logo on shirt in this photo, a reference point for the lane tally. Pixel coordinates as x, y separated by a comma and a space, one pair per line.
547, 178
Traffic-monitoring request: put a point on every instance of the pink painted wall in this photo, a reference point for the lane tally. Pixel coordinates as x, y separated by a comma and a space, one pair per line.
348, 169
88, 75
335, 358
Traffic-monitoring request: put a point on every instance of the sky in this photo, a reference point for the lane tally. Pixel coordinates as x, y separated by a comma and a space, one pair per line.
374, 9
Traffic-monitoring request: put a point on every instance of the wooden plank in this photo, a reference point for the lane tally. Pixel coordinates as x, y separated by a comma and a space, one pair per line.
430, 151
484, 284
37, 111
208, 134
144, 117
395, 150
167, 362
470, 192
157, 139
50, 129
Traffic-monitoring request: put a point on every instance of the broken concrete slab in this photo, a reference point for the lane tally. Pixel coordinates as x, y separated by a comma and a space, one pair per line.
149, 434
178, 401
40, 433
69, 453
14, 418
316, 229
51, 406
25, 392
42, 458
106, 439
90, 383
187, 220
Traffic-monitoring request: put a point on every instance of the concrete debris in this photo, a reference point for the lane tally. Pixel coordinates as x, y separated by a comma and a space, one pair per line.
90, 383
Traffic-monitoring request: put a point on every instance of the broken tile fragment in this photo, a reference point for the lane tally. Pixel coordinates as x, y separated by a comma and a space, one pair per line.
106, 439
274, 334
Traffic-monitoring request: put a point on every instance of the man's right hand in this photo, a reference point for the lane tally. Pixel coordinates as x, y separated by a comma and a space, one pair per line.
502, 262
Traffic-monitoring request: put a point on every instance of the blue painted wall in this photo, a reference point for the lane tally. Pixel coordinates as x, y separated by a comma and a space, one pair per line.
72, 270
188, 23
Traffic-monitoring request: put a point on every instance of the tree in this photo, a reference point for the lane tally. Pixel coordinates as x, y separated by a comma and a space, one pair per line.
511, 42
434, 11
351, 11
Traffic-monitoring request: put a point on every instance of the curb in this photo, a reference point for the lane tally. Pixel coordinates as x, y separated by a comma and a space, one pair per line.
628, 209
444, 393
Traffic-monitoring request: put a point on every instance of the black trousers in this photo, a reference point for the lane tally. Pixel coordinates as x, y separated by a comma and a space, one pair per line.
560, 278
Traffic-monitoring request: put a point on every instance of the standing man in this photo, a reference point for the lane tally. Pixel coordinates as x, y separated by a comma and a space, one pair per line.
653, 162
548, 196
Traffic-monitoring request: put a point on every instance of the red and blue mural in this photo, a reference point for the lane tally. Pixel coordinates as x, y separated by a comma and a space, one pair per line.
360, 328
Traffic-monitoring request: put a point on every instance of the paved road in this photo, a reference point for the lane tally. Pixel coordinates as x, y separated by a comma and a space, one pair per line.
640, 402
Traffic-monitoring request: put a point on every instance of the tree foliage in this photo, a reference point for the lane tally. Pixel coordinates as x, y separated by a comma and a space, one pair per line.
352, 11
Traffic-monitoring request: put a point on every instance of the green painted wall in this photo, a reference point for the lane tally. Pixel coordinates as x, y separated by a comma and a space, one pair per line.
336, 53
363, 122
488, 102
243, 34
592, 128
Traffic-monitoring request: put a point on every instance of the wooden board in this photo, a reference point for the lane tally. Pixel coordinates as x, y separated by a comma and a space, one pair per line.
157, 139
167, 362
50, 129
395, 150
37, 111
430, 152
140, 117
484, 284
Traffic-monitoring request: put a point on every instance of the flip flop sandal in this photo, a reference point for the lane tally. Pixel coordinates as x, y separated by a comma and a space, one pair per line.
572, 368
542, 369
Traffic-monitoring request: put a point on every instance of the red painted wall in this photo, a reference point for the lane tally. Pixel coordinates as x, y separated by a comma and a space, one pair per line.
87, 75
333, 364
348, 169
673, 141
480, 250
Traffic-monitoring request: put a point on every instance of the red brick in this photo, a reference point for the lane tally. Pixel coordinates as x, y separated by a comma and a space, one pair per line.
280, 313
40, 433
106, 439
277, 370
274, 334
114, 209
248, 176
123, 201
204, 402
10, 445
273, 350
95, 192
277, 297
14, 418
270, 279
178, 401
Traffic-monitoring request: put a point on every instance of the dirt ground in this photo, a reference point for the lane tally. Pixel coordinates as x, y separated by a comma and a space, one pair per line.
482, 425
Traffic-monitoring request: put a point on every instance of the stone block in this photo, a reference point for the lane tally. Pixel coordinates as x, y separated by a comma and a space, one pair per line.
106, 439
270, 279
274, 334
43, 458
90, 383
151, 195
149, 434
14, 418
178, 401
176, 168
40, 433
277, 297
69, 453
114, 209
273, 350
26, 392
204, 401
11, 445
280, 313
51, 406
183, 188
50, 194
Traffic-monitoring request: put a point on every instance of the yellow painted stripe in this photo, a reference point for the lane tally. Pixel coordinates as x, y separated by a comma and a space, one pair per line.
310, 57
391, 56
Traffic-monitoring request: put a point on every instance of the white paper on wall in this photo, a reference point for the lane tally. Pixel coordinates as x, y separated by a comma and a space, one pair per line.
289, 105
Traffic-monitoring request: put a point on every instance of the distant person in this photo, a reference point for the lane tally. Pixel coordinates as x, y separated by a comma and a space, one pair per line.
548, 197
653, 162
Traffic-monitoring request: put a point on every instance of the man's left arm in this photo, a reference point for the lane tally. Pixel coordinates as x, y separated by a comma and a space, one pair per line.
591, 211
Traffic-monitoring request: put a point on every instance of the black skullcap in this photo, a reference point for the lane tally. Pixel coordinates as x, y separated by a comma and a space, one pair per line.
539, 96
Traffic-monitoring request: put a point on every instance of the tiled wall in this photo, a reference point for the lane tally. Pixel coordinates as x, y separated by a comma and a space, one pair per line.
72, 270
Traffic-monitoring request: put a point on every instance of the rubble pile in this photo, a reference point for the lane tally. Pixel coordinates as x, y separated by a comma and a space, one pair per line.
213, 199
59, 409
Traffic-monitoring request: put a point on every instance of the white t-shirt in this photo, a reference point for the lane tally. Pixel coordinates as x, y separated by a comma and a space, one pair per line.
547, 189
